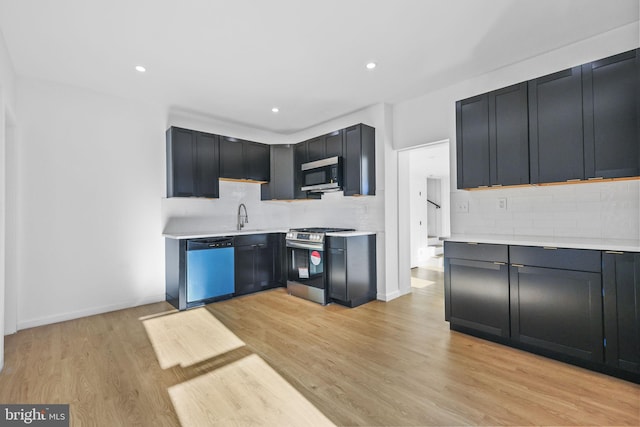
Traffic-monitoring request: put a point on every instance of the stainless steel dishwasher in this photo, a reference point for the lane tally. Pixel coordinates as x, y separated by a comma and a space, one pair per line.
210, 269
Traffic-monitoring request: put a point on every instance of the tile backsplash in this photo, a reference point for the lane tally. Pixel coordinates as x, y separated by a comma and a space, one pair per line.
599, 210
334, 210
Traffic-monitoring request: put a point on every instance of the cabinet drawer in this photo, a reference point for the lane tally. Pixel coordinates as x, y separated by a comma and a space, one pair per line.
476, 251
251, 239
565, 259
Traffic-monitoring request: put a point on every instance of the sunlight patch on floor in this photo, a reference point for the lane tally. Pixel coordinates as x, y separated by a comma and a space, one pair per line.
189, 337
245, 392
420, 283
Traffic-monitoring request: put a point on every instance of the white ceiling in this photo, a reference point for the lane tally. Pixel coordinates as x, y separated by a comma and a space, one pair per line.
235, 59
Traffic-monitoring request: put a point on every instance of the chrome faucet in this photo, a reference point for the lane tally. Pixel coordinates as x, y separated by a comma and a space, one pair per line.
242, 219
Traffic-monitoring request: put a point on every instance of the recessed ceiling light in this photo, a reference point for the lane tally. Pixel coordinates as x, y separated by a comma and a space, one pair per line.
371, 65
275, 109
140, 68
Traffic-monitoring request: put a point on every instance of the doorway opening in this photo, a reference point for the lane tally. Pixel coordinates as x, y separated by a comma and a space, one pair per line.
424, 198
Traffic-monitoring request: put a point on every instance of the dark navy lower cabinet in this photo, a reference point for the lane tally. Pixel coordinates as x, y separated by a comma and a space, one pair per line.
351, 269
621, 280
477, 288
575, 305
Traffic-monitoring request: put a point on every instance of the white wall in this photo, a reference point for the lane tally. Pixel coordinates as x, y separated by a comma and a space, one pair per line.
593, 210
92, 175
7, 117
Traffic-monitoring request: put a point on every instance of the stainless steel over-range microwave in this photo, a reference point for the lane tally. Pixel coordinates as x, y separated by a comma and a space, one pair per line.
322, 175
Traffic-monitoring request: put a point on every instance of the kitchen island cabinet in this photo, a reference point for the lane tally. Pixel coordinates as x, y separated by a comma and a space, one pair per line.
621, 281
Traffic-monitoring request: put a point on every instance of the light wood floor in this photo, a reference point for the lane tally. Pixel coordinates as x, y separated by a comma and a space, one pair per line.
393, 363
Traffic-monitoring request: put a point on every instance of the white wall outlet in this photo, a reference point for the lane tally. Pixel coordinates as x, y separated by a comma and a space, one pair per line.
462, 206
502, 204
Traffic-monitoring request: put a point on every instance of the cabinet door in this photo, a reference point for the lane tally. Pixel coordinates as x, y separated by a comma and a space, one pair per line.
472, 142
299, 157
478, 295
557, 310
352, 166
231, 158
621, 280
281, 182
180, 163
509, 136
611, 90
316, 149
207, 165
337, 274
264, 265
555, 127
333, 144
245, 270
256, 161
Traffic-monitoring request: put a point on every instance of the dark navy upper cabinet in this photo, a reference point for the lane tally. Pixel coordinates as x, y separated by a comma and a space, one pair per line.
492, 138
359, 161
556, 128
509, 136
300, 156
472, 142
621, 281
231, 158
192, 163
324, 146
241, 159
281, 185
611, 89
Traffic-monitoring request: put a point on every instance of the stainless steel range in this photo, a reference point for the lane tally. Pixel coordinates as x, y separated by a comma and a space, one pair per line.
306, 263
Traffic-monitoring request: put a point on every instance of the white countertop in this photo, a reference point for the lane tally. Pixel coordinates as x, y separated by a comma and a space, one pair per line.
624, 245
220, 233
350, 233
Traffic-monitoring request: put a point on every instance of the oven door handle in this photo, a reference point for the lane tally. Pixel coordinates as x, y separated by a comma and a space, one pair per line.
299, 245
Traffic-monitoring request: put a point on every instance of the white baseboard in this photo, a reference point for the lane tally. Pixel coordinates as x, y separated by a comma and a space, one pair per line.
47, 320
389, 296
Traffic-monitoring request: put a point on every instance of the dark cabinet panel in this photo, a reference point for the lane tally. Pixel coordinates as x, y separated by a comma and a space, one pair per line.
334, 144
472, 143
258, 262
557, 310
478, 295
611, 90
256, 161
180, 163
300, 156
207, 165
281, 185
231, 158
359, 161
192, 163
509, 136
351, 269
245, 259
621, 281
556, 128
476, 287
241, 159
316, 149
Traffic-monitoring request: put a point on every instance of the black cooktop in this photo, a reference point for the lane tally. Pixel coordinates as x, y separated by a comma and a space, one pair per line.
321, 229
